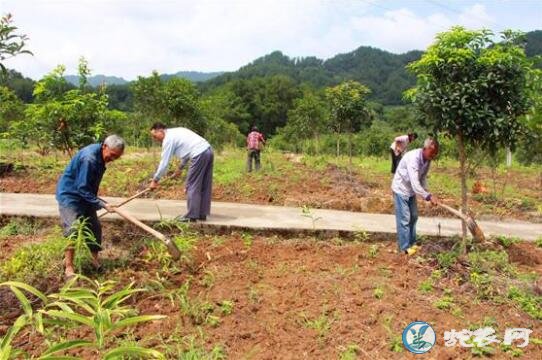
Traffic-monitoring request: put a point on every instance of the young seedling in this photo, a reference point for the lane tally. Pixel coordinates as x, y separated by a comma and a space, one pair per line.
378, 292
373, 251
307, 212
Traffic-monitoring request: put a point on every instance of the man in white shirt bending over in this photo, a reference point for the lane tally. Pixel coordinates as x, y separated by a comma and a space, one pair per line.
398, 148
410, 180
187, 146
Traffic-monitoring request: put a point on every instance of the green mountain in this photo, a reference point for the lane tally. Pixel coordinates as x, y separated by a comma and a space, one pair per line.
194, 76
534, 43
382, 71
97, 80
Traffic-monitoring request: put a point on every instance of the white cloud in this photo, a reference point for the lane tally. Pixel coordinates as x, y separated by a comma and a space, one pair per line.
130, 38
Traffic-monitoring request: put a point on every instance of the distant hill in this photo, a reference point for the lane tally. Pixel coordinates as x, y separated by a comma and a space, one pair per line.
97, 80
194, 76
382, 71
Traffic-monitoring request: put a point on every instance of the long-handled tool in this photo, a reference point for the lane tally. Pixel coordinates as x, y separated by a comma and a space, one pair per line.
171, 246
474, 229
129, 199
142, 192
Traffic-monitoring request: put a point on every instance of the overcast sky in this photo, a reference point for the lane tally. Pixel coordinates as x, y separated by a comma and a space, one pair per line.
133, 37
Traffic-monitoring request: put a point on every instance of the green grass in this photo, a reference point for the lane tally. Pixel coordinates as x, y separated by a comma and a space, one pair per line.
446, 302
32, 263
528, 302
321, 324
426, 286
18, 226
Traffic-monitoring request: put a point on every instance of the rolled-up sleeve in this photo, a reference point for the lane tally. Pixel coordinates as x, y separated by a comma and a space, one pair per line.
86, 181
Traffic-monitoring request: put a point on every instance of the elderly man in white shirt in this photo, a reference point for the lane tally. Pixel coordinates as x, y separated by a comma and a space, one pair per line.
398, 148
187, 146
410, 180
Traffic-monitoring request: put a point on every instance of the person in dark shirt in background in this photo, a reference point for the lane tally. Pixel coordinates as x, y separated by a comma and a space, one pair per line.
77, 194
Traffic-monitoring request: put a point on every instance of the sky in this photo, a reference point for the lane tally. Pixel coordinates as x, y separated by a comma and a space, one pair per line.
128, 38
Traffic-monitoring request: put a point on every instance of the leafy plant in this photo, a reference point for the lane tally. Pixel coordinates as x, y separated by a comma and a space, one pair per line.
426, 286
11, 44
322, 324
361, 235
444, 303
446, 259
79, 239
199, 312
491, 262
373, 251
226, 307
307, 212
529, 303
97, 308
18, 227
34, 262
350, 352
395, 341
247, 239
378, 292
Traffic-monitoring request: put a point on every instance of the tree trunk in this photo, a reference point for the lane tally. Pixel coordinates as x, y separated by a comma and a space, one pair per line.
508, 157
350, 151
338, 144
463, 173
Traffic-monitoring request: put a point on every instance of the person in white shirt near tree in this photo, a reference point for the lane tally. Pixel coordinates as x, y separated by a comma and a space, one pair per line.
398, 148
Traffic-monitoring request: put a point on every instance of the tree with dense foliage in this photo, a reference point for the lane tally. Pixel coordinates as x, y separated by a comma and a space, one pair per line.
22, 86
11, 44
11, 108
265, 100
474, 89
65, 119
308, 119
349, 109
173, 102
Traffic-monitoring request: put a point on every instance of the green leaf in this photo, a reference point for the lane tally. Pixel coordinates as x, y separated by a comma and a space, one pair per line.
26, 287
69, 316
132, 350
135, 320
27, 308
66, 345
12, 332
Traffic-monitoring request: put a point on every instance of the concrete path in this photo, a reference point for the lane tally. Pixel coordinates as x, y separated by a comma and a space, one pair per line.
260, 217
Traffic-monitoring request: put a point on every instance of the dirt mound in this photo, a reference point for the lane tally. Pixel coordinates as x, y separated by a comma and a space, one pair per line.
525, 254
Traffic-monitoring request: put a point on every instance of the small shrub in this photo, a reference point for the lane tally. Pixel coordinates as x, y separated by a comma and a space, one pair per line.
446, 259
373, 251
378, 292
445, 302
226, 307
506, 241
490, 262
426, 286
350, 352
529, 303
